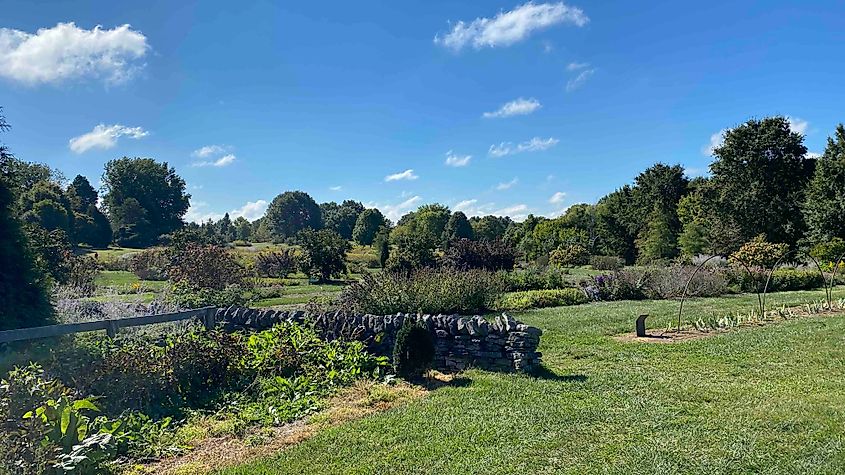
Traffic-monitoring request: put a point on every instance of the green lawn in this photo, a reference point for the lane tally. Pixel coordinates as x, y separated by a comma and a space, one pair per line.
757, 400
123, 282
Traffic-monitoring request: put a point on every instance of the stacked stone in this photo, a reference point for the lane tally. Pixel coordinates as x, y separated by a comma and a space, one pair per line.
460, 342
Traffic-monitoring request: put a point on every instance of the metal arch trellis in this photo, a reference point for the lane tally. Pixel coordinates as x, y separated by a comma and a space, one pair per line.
686, 287
761, 297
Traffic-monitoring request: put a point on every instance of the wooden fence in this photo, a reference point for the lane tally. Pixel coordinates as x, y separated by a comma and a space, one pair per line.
205, 314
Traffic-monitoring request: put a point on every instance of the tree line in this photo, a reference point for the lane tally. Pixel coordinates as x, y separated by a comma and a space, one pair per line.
762, 184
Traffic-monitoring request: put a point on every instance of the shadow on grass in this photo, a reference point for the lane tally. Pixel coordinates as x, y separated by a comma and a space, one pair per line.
547, 374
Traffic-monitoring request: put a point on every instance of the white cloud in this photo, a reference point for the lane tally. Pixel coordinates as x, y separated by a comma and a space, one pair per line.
252, 210
507, 185
104, 137
579, 80
406, 175
336, 188
516, 107
457, 160
557, 198
510, 27
576, 66
394, 212
798, 125
198, 212
534, 145
812, 155
65, 52
220, 162
209, 150
517, 212
464, 205
716, 141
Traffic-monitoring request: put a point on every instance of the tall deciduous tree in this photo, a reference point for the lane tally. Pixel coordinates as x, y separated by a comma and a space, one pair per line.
825, 205
759, 178
291, 212
144, 199
341, 218
368, 224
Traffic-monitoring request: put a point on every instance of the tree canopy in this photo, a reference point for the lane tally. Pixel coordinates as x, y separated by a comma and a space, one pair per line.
144, 198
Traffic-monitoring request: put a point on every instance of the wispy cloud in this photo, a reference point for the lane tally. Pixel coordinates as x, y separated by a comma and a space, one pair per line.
209, 150
534, 145
510, 27
65, 52
220, 162
580, 79
507, 185
454, 160
406, 175
557, 198
336, 188
104, 137
519, 106
517, 212
576, 66
395, 211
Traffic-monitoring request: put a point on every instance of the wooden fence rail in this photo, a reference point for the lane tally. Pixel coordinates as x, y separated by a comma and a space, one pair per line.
205, 314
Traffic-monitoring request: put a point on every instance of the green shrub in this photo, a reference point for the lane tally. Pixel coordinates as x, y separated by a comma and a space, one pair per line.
537, 278
542, 299
150, 264
571, 255
204, 267
758, 253
489, 255
606, 262
184, 295
241, 243
782, 280
278, 264
413, 352
81, 272
323, 253
426, 291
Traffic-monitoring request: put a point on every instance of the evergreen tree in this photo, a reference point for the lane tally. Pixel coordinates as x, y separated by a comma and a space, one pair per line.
824, 208
657, 241
23, 288
457, 227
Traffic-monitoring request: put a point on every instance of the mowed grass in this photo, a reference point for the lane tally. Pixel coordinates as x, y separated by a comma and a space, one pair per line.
767, 399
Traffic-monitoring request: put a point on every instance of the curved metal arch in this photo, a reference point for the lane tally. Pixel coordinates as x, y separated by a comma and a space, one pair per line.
686, 287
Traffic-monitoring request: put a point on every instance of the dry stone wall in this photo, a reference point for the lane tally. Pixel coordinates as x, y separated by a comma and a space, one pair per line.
502, 344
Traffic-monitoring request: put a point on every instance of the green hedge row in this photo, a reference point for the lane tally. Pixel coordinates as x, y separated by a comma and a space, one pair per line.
542, 298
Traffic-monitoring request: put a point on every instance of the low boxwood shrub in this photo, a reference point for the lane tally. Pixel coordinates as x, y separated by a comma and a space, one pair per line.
782, 280
542, 299
413, 352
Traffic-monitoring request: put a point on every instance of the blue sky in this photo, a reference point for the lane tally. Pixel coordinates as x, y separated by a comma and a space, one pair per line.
554, 103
